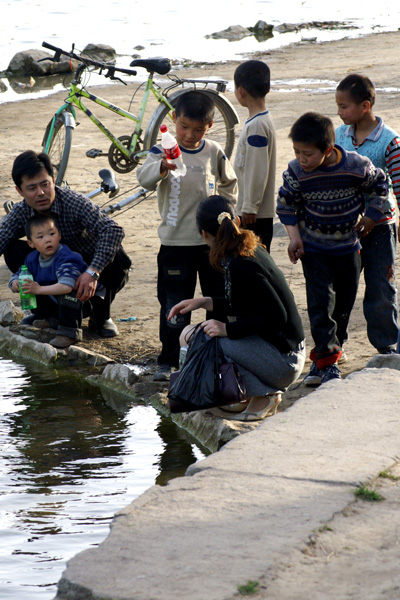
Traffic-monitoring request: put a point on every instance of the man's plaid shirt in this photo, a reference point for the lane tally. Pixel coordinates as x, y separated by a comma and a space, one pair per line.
83, 227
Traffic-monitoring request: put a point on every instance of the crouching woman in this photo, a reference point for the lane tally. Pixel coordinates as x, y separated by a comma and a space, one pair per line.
263, 332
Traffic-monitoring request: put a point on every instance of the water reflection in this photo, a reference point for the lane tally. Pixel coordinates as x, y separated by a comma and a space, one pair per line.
69, 461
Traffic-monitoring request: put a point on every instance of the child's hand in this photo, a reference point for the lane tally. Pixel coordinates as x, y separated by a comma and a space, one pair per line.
295, 250
364, 226
248, 219
31, 287
15, 286
166, 165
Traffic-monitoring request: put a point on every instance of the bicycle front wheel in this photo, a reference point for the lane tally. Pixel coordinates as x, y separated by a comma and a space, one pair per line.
222, 131
57, 142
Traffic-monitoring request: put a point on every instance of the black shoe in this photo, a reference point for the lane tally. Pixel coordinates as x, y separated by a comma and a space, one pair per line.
28, 320
105, 329
387, 350
163, 373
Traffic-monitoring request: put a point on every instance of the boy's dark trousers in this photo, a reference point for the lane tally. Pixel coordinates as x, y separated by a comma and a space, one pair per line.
178, 267
331, 286
264, 228
66, 309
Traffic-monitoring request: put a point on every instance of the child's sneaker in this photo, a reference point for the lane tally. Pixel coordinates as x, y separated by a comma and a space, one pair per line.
331, 372
314, 376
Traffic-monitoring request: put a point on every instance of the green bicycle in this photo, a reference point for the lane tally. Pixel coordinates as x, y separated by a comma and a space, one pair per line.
126, 151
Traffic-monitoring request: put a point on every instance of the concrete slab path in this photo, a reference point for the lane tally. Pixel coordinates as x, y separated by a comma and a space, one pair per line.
241, 512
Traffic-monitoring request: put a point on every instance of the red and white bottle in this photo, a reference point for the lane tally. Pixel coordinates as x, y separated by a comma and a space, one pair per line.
172, 152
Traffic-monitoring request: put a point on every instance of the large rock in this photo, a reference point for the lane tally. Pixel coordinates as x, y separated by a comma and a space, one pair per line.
100, 52
232, 33
26, 63
9, 313
262, 31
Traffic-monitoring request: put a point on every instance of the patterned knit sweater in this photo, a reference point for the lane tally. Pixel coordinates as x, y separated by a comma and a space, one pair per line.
326, 203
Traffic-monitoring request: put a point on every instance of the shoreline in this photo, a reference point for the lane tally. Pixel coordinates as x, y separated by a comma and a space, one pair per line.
22, 125
23, 93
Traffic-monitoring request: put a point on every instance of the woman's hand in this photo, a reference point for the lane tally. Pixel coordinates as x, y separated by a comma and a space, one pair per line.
186, 306
214, 328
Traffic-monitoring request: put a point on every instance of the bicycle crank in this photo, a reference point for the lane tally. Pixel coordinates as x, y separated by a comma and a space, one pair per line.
118, 161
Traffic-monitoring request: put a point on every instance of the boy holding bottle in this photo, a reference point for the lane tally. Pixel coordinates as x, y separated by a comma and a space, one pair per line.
183, 254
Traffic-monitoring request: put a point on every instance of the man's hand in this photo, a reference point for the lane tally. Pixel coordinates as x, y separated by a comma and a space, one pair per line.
248, 219
15, 286
85, 286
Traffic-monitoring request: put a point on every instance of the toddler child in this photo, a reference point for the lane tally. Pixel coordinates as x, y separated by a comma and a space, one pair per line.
55, 269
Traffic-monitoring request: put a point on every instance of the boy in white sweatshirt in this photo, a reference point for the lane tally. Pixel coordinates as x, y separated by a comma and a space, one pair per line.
183, 253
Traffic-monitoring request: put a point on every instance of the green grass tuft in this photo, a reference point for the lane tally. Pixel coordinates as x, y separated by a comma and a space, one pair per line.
364, 493
248, 589
388, 475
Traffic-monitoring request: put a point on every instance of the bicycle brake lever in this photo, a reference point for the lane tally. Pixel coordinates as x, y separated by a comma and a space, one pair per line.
111, 75
118, 79
55, 58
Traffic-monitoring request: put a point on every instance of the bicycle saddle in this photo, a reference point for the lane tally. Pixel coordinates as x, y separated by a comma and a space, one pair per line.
109, 183
162, 66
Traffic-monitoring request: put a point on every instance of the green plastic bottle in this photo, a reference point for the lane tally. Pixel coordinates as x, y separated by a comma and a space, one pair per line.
28, 301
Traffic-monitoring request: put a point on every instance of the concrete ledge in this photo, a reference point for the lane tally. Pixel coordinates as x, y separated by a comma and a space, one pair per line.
18, 345
244, 509
27, 346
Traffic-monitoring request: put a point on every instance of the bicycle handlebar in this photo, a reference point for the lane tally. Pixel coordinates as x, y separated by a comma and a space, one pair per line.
111, 69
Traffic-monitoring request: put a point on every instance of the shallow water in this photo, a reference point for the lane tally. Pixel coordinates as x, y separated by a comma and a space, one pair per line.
175, 30
70, 459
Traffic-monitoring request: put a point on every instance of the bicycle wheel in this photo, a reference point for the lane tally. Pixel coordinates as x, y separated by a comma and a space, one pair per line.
222, 131
57, 144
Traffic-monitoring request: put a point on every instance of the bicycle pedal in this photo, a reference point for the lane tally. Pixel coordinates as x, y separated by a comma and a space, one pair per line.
8, 205
94, 153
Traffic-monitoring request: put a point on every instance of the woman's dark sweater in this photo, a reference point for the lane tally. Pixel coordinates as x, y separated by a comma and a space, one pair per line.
262, 302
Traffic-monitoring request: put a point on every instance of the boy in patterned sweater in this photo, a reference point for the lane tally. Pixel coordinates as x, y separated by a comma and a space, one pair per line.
55, 269
324, 191
183, 254
255, 161
368, 135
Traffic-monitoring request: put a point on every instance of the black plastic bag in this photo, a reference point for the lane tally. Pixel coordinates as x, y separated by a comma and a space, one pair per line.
199, 384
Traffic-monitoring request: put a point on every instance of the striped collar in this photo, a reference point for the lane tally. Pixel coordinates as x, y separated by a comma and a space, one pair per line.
373, 136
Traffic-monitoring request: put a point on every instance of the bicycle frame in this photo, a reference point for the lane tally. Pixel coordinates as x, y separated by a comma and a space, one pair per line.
76, 92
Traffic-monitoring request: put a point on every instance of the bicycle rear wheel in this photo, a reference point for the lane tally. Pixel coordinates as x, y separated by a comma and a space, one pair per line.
57, 143
222, 131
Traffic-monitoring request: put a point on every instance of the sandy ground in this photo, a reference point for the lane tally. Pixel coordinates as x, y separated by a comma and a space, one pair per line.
320, 67
304, 78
